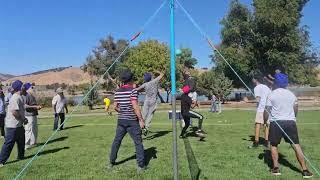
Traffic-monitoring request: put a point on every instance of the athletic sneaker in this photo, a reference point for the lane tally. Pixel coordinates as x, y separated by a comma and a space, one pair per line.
307, 174
266, 144
1, 165
183, 124
110, 166
141, 169
182, 136
275, 171
145, 131
254, 145
201, 131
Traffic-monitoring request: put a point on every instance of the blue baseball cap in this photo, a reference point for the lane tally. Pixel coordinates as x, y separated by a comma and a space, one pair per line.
281, 80
27, 86
147, 77
17, 85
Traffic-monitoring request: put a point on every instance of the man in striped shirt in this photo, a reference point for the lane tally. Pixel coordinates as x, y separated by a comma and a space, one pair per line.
129, 119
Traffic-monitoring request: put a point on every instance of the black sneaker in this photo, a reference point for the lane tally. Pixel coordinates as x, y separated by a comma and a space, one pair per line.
307, 174
266, 144
275, 171
254, 145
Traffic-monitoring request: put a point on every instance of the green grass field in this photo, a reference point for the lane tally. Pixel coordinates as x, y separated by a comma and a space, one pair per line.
82, 149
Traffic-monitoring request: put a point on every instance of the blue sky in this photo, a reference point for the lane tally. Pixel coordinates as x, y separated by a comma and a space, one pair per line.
42, 34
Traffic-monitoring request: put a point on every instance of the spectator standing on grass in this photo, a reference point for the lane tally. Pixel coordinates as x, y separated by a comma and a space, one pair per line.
129, 120
14, 125
59, 104
31, 113
213, 103
261, 93
8, 95
2, 112
283, 107
150, 103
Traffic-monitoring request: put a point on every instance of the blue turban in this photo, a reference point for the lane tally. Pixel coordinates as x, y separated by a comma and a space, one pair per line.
17, 85
147, 77
281, 80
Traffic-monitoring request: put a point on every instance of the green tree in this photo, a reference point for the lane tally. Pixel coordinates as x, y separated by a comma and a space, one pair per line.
93, 97
213, 82
269, 38
185, 60
236, 43
103, 56
151, 56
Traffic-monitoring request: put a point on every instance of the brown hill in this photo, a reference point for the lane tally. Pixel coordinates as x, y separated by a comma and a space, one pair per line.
4, 77
70, 76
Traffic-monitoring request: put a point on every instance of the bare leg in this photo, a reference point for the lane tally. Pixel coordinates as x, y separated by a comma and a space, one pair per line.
257, 132
266, 132
299, 155
275, 156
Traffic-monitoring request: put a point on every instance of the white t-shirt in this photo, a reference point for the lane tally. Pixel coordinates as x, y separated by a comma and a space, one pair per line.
263, 92
193, 95
59, 102
282, 102
15, 104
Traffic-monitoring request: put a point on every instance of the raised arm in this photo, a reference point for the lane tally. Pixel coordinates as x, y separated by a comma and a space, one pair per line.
160, 76
141, 87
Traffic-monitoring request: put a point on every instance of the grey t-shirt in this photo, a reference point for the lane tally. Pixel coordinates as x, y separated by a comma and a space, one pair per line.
151, 89
15, 104
30, 100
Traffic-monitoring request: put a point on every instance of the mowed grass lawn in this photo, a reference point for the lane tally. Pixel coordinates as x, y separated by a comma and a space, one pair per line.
82, 149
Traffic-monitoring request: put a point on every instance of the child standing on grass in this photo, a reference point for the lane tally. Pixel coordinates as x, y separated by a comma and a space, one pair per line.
107, 103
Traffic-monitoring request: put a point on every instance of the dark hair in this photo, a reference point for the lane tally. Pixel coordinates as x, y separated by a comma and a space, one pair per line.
126, 76
258, 76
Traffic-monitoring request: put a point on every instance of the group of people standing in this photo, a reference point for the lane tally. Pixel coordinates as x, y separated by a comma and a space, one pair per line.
131, 120
277, 110
18, 118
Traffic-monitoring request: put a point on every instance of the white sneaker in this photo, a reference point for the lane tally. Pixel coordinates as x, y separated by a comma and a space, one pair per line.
1, 165
183, 124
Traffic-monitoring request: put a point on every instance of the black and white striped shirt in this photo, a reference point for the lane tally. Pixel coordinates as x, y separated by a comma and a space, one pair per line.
123, 96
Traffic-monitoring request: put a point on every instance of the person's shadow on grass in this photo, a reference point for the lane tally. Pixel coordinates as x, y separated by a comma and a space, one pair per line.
42, 153
252, 139
156, 134
150, 153
71, 127
266, 156
54, 140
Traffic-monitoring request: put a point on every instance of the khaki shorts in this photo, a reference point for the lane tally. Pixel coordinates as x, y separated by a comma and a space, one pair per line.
260, 119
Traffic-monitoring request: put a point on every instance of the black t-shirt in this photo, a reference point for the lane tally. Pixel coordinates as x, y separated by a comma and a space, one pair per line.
186, 102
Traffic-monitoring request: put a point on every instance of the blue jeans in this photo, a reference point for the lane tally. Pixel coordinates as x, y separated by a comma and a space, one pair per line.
56, 120
133, 128
213, 107
13, 135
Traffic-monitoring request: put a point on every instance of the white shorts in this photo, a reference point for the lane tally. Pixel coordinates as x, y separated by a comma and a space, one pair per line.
260, 118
